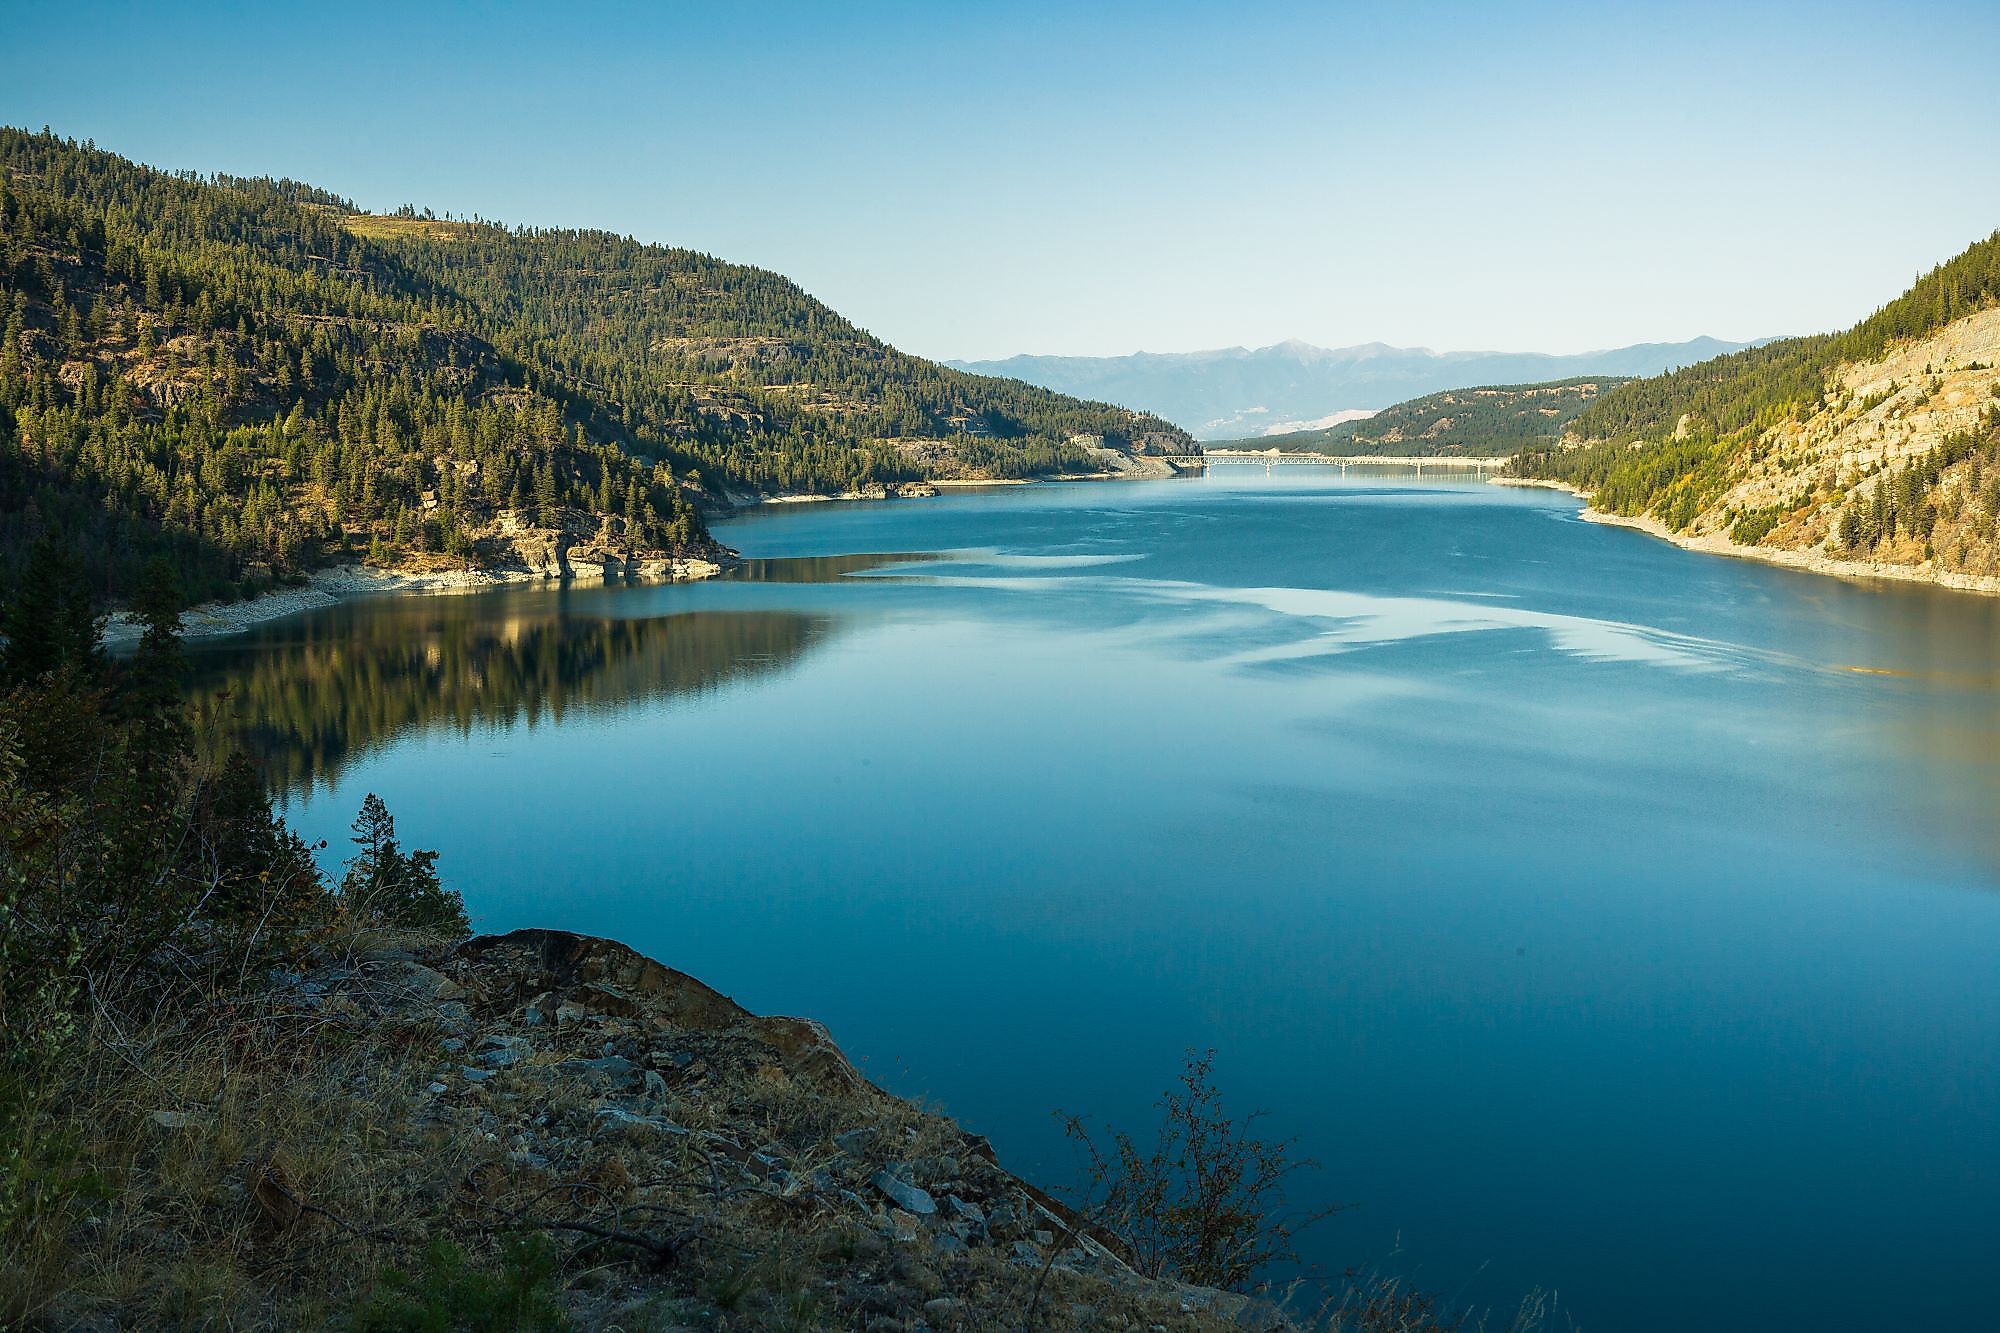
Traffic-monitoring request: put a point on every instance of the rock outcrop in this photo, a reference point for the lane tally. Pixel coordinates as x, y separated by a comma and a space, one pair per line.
1783, 496
575, 1071
583, 546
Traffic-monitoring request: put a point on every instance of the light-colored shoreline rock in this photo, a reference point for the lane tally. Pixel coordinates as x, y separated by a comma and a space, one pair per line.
1809, 561
1805, 562
1537, 483
327, 587
894, 490
1876, 418
1140, 467
1438, 462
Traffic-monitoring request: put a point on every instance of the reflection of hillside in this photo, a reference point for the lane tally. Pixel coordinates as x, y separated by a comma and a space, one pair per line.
820, 568
306, 700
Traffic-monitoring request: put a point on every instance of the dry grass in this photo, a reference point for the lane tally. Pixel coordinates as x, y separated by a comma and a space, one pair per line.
265, 1160
388, 227
198, 1129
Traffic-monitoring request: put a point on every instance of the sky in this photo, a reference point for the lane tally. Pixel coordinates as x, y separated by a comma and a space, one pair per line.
973, 181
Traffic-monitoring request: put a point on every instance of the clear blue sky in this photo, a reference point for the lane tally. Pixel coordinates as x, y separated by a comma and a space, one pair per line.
977, 180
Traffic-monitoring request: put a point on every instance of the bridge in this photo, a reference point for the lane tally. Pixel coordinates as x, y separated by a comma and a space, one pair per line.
1269, 458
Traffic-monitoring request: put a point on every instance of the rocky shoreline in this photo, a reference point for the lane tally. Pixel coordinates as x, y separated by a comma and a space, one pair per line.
1443, 462
518, 553
1538, 483
1809, 562
1143, 467
1806, 562
326, 587
620, 1097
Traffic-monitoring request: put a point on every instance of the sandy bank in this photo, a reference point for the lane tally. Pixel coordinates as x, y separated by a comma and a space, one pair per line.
1143, 468
1536, 483
1421, 462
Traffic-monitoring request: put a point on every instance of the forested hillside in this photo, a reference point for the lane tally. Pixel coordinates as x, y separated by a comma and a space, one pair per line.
1855, 443
256, 378
1491, 421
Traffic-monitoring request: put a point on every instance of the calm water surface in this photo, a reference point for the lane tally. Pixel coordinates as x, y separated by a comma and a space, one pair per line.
1606, 918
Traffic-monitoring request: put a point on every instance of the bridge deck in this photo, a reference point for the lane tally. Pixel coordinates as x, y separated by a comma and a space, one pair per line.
1419, 462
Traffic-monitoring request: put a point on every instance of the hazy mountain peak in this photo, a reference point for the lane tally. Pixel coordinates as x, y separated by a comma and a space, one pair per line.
1230, 392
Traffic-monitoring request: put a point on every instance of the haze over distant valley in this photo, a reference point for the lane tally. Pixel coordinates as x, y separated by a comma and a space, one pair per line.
1233, 392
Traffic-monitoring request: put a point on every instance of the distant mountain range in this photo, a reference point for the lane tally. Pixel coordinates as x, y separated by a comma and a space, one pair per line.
1235, 391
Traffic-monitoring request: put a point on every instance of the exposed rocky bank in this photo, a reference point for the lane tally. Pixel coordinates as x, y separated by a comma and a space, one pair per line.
721, 1169
1810, 560
1875, 419
584, 548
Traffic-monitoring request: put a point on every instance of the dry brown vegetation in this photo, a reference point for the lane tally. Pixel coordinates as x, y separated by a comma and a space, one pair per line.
543, 1130
268, 1160
390, 227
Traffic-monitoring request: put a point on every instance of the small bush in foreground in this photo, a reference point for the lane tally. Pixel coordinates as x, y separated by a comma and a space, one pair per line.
1205, 1201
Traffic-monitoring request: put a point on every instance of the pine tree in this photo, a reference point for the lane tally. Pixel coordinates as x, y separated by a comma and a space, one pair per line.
49, 622
382, 880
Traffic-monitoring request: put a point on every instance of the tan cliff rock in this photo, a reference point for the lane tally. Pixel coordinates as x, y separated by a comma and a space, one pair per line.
1882, 414
583, 546
1877, 417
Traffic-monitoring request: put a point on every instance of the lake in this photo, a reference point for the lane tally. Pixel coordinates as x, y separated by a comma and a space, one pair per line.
1605, 918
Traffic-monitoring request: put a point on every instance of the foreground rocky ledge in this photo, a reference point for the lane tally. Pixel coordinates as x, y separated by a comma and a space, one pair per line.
714, 1168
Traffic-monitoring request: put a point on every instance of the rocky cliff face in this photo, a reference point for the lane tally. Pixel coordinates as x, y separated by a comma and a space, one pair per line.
1787, 494
571, 1082
584, 546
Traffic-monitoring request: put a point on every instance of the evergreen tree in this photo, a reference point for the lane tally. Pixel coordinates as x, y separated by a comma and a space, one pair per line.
262, 877
254, 379
385, 881
49, 623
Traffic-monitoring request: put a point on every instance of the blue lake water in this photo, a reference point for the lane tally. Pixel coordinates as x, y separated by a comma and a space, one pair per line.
1605, 918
